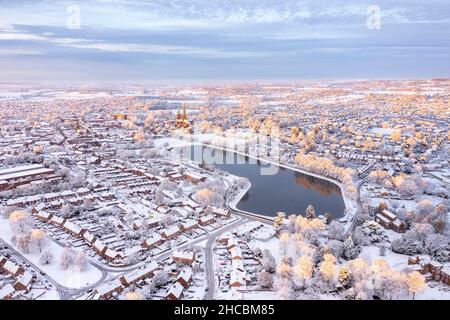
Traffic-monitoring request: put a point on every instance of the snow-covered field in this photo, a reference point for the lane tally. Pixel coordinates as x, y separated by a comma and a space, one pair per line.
73, 279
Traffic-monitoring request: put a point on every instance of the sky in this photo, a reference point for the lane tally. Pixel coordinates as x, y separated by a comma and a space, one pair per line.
213, 40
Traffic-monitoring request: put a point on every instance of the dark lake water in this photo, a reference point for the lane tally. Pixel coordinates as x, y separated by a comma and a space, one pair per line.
286, 190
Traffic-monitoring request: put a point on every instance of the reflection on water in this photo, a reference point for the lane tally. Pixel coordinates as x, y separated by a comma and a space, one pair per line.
287, 190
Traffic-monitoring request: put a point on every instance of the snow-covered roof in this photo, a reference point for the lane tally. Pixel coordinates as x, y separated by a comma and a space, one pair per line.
207, 218
188, 255
72, 227
176, 289
108, 287
171, 230
237, 276
189, 223
185, 274
140, 273
25, 279
236, 252
6, 291
155, 238
11, 267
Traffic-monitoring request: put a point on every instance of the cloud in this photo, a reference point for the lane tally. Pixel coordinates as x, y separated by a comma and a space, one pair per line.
21, 36
19, 52
163, 49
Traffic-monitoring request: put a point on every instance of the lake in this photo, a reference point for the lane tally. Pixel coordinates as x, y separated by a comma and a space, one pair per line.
287, 190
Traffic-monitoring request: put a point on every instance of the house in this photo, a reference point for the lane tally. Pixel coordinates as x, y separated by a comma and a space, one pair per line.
185, 277
99, 247
24, 282
44, 216
219, 212
73, 229
139, 274
170, 232
175, 291
107, 290
237, 279
112, 255
57, 221
7, 292
232, 242
188, 225
154, 241
194, 177
445, 275
12, 268
186, 257
89, 238
2, 260
205, 220
236, 253
390, 221
39, 207
237, 265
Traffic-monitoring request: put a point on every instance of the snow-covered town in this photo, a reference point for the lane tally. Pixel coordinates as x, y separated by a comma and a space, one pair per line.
155, 192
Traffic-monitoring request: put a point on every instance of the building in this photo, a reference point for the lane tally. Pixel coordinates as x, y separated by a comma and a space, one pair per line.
11, 178
181, 120
390, 221
185, 277
7, 292
140, 274
175, 291
432, 270
12, 269
154, 241
188, 225
170, 232
24, 282
205, 220
186, 257
107, 290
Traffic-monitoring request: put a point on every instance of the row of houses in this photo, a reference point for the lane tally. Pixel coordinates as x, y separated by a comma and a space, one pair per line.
107, 290
238, 275
433, 270
80, 232
22, 279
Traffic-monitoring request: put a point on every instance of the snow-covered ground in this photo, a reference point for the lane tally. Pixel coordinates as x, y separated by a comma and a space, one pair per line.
70, 278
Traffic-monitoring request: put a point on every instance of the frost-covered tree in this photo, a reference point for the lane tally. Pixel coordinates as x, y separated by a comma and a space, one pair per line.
19, 221
46, 257
344, 278
81, 261
416, 283
284, 240
284, 288
265, 280
360, 237
350, 250
359, 269
38, 239
67, 258
268, 261
23, 242
310, 212
304, 269
328, 268
279, 220
335, 231
335, 247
